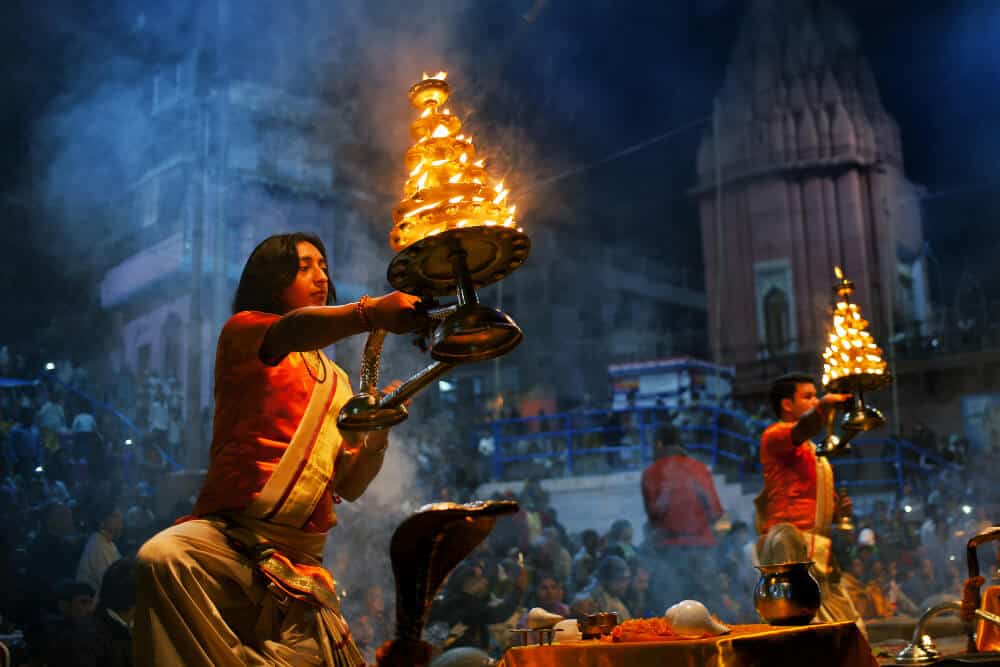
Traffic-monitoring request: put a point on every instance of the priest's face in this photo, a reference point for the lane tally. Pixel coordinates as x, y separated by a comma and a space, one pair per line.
804, 400
311, 283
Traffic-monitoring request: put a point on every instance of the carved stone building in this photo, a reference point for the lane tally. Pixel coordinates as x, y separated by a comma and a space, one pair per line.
801, 171
229, 153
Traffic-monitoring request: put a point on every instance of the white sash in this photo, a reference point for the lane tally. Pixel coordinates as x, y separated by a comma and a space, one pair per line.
301, 477
820, 544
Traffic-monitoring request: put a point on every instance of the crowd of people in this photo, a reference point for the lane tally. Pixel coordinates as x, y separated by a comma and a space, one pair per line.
900, 557
78, 502
78, 484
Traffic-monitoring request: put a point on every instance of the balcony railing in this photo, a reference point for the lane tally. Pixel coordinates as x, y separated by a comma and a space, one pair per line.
605, 441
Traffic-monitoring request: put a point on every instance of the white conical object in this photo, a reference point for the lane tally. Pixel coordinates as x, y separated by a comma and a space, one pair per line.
539, 618
690, 618
568, 631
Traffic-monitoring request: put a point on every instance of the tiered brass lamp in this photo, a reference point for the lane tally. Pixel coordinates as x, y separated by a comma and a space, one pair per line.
454, 231
852, 364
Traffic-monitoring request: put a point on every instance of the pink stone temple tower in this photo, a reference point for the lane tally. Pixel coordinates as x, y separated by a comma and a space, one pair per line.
802, 170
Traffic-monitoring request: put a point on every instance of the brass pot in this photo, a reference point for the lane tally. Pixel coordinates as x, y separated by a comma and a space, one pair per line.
596, 625
786, 594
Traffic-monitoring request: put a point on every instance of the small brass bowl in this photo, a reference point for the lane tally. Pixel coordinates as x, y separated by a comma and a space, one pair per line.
597, 625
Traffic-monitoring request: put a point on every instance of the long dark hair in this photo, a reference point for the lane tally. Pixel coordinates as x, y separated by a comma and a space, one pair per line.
270, 269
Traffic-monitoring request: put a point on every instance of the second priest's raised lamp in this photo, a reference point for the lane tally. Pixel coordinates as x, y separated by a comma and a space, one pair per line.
852, 364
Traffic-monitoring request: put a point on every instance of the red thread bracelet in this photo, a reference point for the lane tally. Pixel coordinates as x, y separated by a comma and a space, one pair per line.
362, 309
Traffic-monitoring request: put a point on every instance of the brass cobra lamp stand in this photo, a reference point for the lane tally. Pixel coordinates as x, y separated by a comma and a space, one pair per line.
427, 546
453, 234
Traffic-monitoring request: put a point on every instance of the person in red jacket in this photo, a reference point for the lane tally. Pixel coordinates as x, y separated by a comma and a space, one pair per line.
682, 505
798, 504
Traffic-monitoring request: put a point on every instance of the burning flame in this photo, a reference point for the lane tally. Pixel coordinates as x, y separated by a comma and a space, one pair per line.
447, 186
850, 349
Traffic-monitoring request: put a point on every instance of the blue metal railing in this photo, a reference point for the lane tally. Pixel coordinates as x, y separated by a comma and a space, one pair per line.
603, 441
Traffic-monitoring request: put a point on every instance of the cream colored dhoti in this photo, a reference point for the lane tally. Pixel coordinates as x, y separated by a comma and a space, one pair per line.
201, 602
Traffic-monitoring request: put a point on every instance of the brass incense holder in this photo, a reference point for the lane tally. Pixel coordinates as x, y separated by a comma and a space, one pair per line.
852, 364
454, 232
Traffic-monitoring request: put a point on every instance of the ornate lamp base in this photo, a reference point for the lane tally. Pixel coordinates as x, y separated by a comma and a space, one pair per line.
426, 267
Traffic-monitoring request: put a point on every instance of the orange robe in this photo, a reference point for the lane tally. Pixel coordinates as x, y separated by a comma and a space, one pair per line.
789, 479
265, 507
257, 410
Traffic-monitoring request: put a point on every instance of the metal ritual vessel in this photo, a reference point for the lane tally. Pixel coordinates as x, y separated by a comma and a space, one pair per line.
786, 593
986, 601
983, 632
600, 624
454, 232
852, 364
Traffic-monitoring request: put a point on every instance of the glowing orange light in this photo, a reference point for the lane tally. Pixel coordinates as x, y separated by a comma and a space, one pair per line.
850, 350
443, 191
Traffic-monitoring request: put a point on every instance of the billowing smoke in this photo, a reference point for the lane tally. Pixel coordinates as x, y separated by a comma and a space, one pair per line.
123, 122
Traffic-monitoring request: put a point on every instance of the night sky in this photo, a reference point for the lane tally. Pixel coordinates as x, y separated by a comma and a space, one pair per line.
591, 79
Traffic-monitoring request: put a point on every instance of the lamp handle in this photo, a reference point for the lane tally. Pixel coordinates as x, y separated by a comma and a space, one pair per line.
371, 361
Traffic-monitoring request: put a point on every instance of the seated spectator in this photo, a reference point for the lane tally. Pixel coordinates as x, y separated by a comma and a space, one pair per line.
69, 618
105, 638
878, 585
51, 417
582, 570
467, 607
139, 523
867, 548
549, 557
87, 442
549, 596
892, 588
24, 444
152, 460
100, 551
590, 542
16, 591
54, 552
582, 605
609, 586
620, 536
375, 612
637, 597
865, 592
924, 584
363, 632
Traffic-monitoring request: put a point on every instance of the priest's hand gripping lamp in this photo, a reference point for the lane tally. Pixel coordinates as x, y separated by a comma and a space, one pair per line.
852, 364
454, 232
